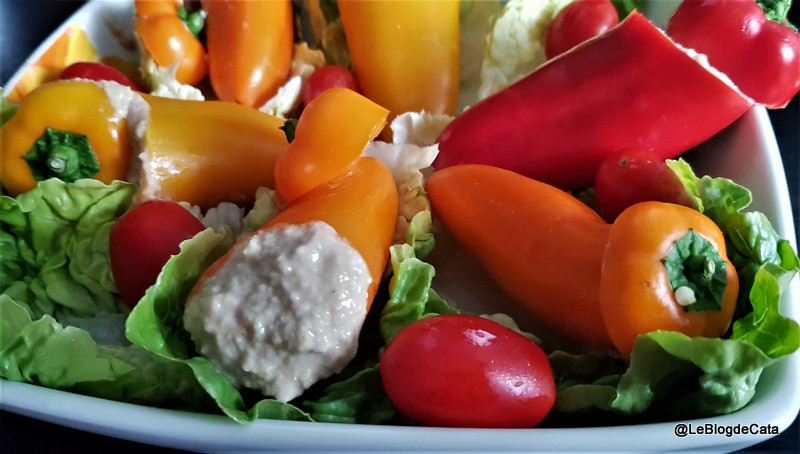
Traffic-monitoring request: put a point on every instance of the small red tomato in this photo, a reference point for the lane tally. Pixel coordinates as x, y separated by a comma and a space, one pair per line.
578, 22
467, 371
325, 77
142, 241
632, 177
97, 71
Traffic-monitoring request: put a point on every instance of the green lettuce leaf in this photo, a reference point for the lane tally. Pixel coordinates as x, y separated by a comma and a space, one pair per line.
670, 375
359, 399
54, 246
765, 327
689, 377
47, 353
411, 295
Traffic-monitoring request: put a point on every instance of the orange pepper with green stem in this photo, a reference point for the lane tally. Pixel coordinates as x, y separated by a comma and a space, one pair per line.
331, 133
69, 109
660, 266
166, 39
405, 54
665, 268
206, 152
250, 46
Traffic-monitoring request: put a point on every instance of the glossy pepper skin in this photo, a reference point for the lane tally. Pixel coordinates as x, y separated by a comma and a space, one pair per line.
250, 45
761, 56
542, 246
635, 292
207, 152
165, 38
630, 88
405, 54
83, 108
331, 133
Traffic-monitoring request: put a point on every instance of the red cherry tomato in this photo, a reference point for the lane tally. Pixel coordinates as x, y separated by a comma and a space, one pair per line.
467, 371
632, 177
577, 22
328, 76
142, 241
97, 71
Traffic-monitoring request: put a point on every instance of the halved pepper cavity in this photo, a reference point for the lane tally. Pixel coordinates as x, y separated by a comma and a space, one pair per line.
630, 88
660, 266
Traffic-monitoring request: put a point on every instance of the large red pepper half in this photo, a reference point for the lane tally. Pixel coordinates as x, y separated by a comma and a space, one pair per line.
631, 87
761, 56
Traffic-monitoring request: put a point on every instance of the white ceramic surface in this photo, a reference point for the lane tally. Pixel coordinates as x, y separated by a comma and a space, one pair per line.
746, 152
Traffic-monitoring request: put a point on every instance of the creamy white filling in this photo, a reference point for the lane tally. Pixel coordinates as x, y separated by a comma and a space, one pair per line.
284, 311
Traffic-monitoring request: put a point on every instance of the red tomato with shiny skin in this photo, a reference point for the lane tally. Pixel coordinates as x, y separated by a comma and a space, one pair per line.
97, 71
467, 371
142, 241
632, 177
328, 76
578, 22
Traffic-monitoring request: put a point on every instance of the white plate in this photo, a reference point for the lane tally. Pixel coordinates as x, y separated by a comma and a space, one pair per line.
746, 152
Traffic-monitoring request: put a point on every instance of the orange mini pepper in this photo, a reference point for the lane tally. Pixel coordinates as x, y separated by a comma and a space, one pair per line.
542, 246
405, 54
73, 107
665, 268
250, 45
331, 133
164, 37
207, 152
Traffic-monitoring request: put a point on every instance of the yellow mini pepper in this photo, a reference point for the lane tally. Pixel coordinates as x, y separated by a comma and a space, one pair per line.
405, 54
207, 152
43, 139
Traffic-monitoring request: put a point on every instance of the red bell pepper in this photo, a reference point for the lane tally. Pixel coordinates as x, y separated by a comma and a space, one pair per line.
630, 87
761, 56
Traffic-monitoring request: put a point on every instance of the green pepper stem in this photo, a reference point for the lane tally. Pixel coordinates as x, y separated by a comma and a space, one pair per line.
697, 273
62, 154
